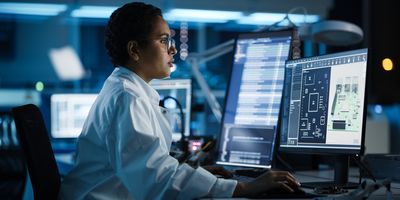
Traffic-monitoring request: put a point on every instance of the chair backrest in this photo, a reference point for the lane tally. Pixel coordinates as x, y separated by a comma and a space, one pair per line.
35, 143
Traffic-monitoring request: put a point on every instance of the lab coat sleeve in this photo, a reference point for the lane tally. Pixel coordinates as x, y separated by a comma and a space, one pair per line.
143, 164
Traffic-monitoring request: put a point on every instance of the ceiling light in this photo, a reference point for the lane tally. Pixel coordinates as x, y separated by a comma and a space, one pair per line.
205, 16
32, 8
266, 19
93, 11
66, 63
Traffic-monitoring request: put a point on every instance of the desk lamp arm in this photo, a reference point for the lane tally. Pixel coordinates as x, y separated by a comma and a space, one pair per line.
195, 59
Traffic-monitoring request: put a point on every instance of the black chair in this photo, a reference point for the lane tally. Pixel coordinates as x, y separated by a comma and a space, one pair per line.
12, 174
39, 156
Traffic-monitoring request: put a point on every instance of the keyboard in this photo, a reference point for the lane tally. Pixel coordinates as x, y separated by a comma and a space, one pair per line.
297, 194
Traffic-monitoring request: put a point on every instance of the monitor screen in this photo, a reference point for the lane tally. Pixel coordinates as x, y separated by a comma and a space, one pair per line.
324, 103
181, 90
253, 99
69, 111
68, 114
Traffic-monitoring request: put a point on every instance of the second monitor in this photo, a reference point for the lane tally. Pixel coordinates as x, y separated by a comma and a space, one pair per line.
324, 108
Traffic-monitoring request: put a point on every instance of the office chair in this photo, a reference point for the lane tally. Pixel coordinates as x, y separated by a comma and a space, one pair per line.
39, 156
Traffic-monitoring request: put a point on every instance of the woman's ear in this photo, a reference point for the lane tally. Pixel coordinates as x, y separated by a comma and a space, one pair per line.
133, 50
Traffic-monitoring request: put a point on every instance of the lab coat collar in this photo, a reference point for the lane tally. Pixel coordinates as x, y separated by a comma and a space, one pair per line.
151, 93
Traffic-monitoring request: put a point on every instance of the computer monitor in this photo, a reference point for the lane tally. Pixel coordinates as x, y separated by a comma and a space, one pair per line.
324, 108
68, 114
253, 99
69, 111
181, 90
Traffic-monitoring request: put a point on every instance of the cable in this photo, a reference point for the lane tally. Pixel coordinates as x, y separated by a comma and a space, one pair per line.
284, 163
291, 11
291, 24
182, 141
364, 167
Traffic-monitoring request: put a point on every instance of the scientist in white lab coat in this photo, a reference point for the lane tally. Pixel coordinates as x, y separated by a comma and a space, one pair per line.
123, 150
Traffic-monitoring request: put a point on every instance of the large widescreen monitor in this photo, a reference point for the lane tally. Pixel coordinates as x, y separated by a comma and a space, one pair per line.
253, 99
324, 107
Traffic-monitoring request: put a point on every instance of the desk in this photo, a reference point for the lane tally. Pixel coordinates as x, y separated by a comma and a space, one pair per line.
65, 162
327, 175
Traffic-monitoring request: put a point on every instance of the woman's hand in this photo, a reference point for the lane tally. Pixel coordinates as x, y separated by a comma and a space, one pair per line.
271, 180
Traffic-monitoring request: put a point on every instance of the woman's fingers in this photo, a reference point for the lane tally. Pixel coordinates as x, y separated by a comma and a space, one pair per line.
285, 187
286, 177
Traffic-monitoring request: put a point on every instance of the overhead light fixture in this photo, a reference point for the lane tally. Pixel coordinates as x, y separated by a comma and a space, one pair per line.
336, 33
93, 11
67, 63
266, 19
329, 32
32, 8
205, 16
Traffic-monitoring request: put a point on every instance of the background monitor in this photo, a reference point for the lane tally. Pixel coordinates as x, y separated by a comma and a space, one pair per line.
68, 113
180, 89
253, 99
324, 107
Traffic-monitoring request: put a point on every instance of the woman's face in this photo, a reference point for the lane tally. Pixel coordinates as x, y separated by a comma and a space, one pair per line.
155, 60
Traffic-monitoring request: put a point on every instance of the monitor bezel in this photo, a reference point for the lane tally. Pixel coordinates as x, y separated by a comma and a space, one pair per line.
287, 32
331, 151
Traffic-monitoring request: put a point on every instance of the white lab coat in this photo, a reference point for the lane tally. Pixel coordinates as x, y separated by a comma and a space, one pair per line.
123, 150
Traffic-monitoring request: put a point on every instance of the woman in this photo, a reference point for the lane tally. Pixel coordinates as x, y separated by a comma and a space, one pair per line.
123, 150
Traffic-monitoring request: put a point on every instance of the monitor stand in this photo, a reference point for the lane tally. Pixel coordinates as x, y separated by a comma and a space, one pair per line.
341, 170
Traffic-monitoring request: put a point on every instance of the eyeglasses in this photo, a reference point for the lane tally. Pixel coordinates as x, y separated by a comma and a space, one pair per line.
169, 42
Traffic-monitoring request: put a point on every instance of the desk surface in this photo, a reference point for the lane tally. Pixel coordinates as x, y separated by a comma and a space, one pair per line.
302, 176
327, 175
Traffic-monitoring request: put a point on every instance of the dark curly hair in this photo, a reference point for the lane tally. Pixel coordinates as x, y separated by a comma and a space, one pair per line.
132, 21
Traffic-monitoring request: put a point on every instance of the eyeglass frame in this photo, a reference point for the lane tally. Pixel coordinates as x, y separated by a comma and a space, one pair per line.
170, 42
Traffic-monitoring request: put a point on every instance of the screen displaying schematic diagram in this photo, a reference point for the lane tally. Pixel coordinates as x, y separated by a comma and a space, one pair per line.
324, 101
